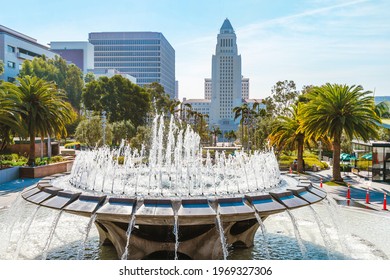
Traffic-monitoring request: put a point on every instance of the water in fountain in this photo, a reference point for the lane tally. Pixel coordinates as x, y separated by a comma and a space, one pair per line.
53, 228
332, 208
87, 230
325, 237
222, 237
176, 233
297, 235
174, 160
128, 236
265, 237
24, 232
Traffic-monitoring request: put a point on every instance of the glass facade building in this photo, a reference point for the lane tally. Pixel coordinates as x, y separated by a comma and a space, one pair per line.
147, 56
379, 161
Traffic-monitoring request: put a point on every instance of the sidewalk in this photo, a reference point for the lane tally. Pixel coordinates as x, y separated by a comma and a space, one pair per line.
358, 189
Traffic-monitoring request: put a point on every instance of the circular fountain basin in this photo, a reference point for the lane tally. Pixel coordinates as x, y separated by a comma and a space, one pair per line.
188, 226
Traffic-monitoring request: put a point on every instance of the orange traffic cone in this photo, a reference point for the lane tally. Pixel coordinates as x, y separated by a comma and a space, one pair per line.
321, 182
368, 196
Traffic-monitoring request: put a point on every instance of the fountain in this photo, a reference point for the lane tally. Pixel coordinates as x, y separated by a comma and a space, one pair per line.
173, 199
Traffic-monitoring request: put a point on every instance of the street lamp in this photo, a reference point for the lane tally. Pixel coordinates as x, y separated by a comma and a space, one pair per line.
104, 119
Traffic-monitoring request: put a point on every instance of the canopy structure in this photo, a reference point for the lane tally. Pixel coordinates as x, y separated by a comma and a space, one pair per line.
346, 157
367, 156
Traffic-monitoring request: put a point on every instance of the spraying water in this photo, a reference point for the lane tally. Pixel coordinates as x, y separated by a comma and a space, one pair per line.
175, 159
49, 239
87, 230
297, 234
128, 236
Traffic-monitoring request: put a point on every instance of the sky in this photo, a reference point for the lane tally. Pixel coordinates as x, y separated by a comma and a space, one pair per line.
311, 42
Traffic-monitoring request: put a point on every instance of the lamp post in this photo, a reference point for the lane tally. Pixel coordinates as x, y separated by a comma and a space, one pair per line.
104, 119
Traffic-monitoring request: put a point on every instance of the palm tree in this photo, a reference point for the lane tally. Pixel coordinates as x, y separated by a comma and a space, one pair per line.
334, 110
9, 118
244, 112
42, 107
215, 131
288, 133
382, 109
229, 135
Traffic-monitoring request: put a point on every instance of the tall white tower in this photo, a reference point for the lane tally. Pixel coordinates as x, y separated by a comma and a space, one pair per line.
226, 80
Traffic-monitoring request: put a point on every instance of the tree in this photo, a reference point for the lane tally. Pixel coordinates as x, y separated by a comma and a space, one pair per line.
90, 132
9, 118
334, 110
67, 77
246, 115
120, 98
382, 109
288, 133
42, 107
161, 101
74, 85
215, 131
142, 137
283, 95
89, 77
1, 67
122, 130
230, 135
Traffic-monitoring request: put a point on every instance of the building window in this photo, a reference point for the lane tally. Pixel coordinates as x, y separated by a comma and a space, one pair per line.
11, 79
11, 64
11, 49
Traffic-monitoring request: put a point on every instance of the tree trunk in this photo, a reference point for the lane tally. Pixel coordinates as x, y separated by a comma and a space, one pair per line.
300, 167
31, 155
336, 160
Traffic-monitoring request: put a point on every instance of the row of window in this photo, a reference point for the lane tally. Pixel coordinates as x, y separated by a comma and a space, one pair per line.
125, 42
122, 69
147, 81
10, 49
127, 58
127, 48
11, 64
141, 55
226, 42
130, 64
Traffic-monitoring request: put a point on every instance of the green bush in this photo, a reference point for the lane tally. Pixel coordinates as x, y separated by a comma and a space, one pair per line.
71, 145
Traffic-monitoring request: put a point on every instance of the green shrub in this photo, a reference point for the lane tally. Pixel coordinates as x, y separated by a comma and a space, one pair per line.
71, 145
56, 159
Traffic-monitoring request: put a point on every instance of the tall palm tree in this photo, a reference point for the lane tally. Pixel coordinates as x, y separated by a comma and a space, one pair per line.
334, 110
215, 131
243, 112
9, 118
42, 107
288, 133
382, 109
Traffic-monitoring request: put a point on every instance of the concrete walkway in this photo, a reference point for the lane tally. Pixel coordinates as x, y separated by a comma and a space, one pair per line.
358, 189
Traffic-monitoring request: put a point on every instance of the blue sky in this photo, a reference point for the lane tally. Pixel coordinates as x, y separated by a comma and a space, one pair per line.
307, 41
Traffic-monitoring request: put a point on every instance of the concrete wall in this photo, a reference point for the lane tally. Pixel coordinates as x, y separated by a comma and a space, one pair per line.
9, 174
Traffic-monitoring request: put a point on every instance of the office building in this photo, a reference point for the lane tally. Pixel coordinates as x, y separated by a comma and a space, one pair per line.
15, 48
147, 56
78, 53
227, 88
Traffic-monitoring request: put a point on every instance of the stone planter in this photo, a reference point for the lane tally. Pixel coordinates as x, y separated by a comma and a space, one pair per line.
45, 170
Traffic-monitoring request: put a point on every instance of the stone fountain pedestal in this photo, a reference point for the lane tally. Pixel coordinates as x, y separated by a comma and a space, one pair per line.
153, 220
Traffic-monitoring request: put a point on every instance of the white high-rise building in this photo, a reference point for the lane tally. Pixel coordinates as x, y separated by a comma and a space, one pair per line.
226, 79
227, 88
